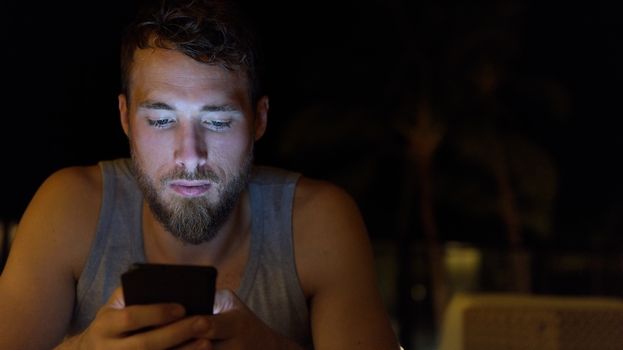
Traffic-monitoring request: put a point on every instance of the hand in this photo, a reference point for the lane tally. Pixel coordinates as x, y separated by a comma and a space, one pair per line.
156, 326
235, 327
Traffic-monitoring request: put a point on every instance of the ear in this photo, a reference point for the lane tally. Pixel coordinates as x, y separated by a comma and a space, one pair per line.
123, 113
261, 116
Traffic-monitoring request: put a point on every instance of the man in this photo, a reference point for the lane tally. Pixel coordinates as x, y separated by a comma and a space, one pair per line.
295, 268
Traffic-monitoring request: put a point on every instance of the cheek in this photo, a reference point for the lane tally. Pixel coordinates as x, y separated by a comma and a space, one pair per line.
149, 152
231, 152
147, 141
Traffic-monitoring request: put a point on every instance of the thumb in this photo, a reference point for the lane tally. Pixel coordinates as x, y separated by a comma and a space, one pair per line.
116, 300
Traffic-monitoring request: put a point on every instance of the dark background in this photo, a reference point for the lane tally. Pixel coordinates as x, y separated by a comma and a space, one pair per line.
343, 77
347, 80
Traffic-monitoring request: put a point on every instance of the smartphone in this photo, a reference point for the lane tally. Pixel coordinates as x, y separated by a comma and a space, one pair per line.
192, 286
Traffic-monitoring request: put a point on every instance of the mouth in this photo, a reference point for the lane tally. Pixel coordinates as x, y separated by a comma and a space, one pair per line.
190, 188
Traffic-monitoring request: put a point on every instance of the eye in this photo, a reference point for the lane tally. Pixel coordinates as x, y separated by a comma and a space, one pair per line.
161, 123
217, 125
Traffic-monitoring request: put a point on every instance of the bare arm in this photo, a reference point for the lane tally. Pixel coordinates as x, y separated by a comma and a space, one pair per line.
37, 286
38, 281
335, 262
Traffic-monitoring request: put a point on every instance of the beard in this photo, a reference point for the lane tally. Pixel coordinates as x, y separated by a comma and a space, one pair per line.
193, 220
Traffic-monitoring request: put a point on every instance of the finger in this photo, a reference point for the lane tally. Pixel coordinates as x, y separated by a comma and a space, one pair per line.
181, 334
227, 313
223, 326
137, 317
195, 344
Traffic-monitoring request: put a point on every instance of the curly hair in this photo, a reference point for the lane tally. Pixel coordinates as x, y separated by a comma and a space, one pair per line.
209, 31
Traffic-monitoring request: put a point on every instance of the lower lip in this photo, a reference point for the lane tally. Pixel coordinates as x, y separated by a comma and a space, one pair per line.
190, 191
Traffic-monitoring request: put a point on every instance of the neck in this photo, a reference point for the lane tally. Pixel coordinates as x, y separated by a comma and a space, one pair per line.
162, 247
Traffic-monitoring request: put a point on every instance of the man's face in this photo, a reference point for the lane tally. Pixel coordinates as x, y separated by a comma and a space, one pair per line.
191, 128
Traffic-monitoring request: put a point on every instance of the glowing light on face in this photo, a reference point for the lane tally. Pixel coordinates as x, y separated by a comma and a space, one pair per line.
191, 133
193, 220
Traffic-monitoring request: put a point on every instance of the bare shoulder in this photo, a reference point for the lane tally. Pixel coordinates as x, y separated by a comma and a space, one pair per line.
37, 285
72, 181
328, 227
335, 263
322, 198
63, 211
68, 197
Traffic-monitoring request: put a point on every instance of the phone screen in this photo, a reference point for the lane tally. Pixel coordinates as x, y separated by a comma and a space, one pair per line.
192, 286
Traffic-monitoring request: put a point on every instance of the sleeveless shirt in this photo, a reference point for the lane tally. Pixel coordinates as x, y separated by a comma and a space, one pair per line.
269, 287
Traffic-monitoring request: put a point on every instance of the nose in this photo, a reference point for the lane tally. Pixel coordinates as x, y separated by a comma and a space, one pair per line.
191, 151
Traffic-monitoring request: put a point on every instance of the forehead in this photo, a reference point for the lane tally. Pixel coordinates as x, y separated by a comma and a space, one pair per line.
157, 69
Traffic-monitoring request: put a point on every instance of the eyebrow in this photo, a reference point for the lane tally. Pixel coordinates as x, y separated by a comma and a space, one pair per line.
156, 105
205, 108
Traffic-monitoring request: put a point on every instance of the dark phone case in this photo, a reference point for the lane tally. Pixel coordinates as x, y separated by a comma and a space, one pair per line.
189, 285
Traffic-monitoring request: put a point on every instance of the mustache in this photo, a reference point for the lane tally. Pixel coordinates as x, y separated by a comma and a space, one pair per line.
198, 174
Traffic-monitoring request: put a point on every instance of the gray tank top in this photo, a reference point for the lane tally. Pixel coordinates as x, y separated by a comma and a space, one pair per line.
270, 285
